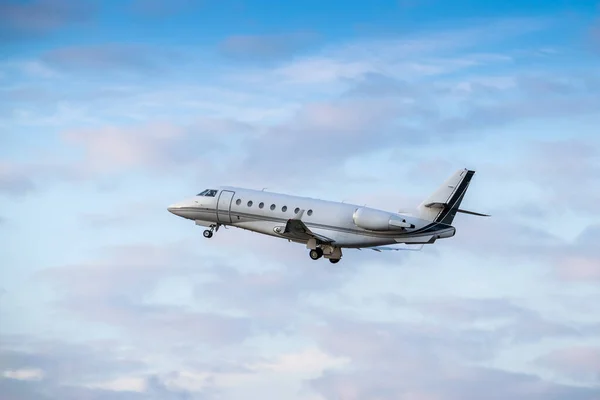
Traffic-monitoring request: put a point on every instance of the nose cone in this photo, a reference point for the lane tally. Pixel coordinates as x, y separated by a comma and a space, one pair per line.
188, 209
175, 209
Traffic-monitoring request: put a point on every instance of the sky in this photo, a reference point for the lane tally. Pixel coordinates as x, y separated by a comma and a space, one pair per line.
110, 111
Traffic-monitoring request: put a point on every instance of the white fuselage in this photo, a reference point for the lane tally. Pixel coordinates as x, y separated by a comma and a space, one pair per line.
348, 225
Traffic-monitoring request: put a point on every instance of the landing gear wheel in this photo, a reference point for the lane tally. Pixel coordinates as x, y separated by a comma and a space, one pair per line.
315, 254
334, 260
208, 233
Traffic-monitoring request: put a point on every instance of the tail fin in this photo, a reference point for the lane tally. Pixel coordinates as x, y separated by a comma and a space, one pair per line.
444, 203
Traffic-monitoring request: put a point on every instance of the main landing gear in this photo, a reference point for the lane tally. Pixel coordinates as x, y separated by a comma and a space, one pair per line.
315, 254
333, 254
209, 232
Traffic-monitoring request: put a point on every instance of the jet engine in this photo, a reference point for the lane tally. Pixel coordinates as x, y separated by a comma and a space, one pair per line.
375, 220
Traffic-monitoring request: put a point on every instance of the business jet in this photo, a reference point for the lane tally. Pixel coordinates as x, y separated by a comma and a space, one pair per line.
326, 227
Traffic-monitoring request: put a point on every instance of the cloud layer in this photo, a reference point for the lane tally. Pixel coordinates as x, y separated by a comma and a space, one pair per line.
107, 295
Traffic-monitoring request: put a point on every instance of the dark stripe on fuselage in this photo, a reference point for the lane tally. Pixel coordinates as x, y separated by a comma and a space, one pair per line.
428, 229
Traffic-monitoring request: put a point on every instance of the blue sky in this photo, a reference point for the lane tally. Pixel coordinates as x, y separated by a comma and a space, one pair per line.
110, 111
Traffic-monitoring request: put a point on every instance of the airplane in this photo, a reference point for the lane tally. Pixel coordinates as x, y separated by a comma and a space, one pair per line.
326, 227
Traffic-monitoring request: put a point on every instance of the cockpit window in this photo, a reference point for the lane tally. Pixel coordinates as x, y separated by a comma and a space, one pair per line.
208, 193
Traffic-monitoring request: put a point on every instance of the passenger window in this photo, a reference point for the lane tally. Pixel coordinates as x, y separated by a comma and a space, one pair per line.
261, 205
238, 202
309, 212
284, 208
297, 210
250, 203
272, 206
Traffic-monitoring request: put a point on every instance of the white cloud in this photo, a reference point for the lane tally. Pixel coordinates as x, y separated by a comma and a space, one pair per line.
121, 385
38, 69
408, 58
115, 149
321, 70
578, 268
308, 362
32, 374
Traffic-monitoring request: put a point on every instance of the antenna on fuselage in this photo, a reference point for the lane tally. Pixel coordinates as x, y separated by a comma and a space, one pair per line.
263, 189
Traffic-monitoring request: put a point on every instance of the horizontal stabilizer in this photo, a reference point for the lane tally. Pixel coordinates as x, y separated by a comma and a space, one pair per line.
473, 213
442, 205
436, 205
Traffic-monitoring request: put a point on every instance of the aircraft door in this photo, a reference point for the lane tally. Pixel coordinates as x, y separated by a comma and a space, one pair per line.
224, 206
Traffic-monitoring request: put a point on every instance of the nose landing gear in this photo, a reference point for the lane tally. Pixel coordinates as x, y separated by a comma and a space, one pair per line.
209, 232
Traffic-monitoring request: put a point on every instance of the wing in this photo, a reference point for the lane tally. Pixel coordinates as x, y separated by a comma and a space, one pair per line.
406, 247
296, 229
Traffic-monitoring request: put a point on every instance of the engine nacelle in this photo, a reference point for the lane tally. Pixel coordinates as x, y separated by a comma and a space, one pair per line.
375, 220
